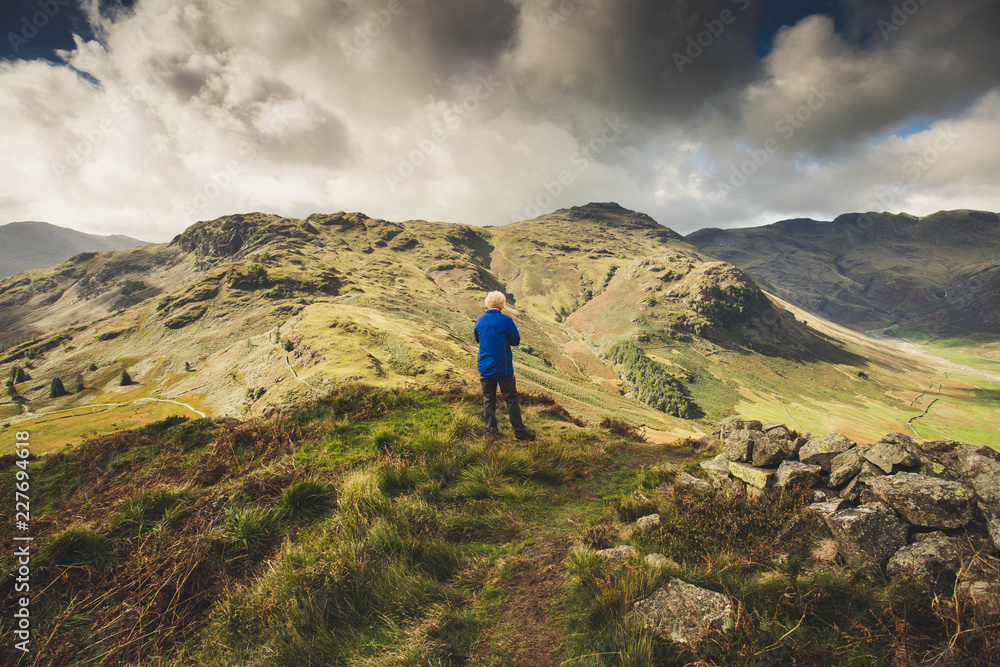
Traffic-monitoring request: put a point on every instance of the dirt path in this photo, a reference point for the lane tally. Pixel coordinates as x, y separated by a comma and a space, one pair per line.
530, 633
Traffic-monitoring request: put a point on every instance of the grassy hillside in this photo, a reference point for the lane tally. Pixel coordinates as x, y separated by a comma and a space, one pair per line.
246, 314
377, 527
938, 273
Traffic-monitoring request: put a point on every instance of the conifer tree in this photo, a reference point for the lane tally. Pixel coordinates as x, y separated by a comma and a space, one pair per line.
56, 389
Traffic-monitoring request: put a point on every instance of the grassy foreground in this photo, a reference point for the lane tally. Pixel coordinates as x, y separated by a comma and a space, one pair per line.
378, 527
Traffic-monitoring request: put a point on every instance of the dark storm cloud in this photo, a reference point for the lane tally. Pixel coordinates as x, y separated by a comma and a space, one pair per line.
653, 61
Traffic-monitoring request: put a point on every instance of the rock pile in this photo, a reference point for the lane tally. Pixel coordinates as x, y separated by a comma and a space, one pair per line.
918, 510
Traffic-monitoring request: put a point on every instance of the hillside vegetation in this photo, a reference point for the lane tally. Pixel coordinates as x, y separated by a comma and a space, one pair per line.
243, 315
378, 527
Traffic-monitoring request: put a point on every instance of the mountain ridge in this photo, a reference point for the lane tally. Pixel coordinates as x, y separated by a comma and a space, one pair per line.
35, 245
251, 312
939, 273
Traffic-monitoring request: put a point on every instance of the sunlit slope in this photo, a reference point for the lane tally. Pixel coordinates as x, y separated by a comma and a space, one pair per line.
250, 313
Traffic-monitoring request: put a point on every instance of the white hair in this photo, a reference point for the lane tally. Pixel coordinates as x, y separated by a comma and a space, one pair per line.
496, 300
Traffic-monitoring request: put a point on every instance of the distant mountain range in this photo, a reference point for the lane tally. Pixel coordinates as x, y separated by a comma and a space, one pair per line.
37, 245
939, 274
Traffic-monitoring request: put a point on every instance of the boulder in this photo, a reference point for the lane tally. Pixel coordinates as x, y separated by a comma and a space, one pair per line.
821, 451
846, 465
992, 523
681, 613
619, 553
868, 535
688, 479
931, 563
825, 510
795, 472
768, 451
732, 424
926, 501
658, 560
741, 445
645, 524
979, 468
887, 455
717, 469
755, 477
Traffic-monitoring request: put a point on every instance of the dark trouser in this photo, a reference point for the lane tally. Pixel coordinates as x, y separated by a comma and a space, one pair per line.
508, 388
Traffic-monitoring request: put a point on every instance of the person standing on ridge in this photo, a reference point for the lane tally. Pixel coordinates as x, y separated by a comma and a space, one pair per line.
496, 333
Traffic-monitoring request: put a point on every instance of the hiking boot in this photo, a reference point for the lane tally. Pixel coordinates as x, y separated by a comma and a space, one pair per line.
525, 437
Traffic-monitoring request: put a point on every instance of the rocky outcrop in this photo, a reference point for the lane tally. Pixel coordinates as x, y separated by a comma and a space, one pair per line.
682, 613
868, 535
931, 563
926, 501
878, 500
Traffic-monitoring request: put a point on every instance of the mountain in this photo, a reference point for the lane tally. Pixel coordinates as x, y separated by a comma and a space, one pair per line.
620, 317
36, 245
939, 273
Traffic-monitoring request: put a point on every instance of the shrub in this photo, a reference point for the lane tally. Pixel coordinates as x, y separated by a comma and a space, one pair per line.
77, 545
248, 529
624, 429
146, 510
308, 499
187, 435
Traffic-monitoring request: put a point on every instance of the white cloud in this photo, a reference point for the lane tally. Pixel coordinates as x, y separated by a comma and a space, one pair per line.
478, 113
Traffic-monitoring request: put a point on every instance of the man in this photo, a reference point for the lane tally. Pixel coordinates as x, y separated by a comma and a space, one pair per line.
496, 333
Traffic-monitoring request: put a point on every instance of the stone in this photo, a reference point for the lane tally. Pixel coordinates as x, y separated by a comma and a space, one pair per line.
795, 472
774, 426
984, 597
992, 523
730, 425
768, 451
868, 535
797, 445
619, 553
926, 501
658, 560
979, 468
755, 477
681, 613
739, 446
938, 447
826, 509
931, 563
717, 469
887, 455
648, 523
846, 465
688, 479
821, 451
852, 492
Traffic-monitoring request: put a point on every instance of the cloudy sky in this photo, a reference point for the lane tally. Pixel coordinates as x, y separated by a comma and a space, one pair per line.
143, 117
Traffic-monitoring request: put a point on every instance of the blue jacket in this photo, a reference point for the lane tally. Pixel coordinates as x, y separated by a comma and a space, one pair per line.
495, 333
